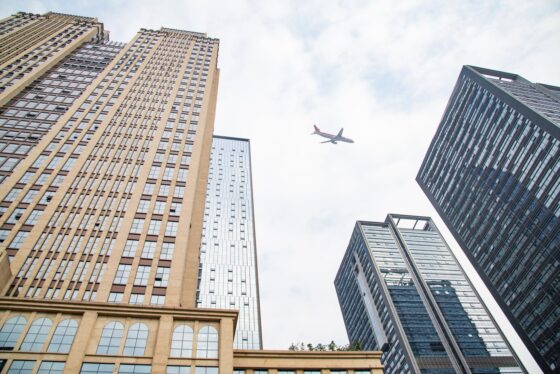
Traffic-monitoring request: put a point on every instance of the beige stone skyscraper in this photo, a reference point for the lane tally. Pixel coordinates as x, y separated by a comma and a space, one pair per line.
104, 154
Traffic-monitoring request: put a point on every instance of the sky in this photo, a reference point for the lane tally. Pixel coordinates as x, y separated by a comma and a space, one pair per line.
382, 70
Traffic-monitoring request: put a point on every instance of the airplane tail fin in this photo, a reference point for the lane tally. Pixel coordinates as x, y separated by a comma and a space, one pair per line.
316, 130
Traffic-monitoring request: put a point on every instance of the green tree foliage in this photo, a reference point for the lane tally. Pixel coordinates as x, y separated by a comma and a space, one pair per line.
332, 346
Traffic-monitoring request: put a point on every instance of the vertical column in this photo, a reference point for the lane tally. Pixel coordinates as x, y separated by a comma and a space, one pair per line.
162, 347
226, 345
80, 343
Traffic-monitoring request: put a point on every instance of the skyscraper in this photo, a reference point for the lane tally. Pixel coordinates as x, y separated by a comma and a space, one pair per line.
402, 291
104, 166
228, 257
112, 176
493, 173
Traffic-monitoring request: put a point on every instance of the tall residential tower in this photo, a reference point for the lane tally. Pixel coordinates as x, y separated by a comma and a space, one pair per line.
402, 291
228, 252
493, 174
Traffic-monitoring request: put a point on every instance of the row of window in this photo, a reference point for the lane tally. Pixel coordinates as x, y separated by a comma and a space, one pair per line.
37, 334
282, 371
57, 367
110, 340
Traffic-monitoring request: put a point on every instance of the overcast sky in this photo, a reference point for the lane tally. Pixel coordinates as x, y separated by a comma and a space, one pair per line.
382, 70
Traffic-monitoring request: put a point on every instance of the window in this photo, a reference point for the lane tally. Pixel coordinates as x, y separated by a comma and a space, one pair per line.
162, 277
182, 341
115, 297
179, 191
157, 299
167, 251
143, 206
123, 271
135, 369
21, 367
51, 367
16, 215
171, 229
163, 190
154, 172
136, 339
240, 371
63, 336
207, 343
19, 239
178, 369
175, 209
26, 177
12, 195
29, 196
36, 335
91, 368
130, 248
142, 275
11, 331
182, 176
261, 371
206, 370
291, 371
149, 249
155, 226
149, 188
137, 226
33, 217
136, 298
159, 207
110, 339
168, 174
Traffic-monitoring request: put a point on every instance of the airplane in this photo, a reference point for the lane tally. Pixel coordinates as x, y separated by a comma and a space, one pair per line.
332, 138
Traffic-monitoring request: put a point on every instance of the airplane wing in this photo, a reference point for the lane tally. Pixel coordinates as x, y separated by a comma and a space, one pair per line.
339, 133
326, 141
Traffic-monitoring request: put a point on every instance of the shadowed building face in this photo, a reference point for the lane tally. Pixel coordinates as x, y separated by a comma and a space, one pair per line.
401, 290
493, 173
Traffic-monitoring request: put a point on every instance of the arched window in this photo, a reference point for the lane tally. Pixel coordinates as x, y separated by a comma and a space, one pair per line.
136, 339
10, 332
36, 335
207, 344
181, 343
110, 339
63, 336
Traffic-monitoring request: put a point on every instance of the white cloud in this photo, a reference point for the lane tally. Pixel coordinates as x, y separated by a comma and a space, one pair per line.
383, 70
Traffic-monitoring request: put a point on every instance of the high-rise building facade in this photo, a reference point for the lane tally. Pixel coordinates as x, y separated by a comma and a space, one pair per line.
228, 253
402, 291
104, 175
32, 44
493, 174
115, 179
34, 110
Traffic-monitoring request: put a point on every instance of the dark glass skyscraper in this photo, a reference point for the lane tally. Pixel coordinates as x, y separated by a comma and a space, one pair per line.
493, 174
402, 291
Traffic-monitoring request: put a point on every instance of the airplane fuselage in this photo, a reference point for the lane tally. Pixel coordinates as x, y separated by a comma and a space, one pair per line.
332, 138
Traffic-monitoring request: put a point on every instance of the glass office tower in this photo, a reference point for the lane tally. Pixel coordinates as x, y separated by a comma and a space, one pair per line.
401, 290
493, 173
228, 253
